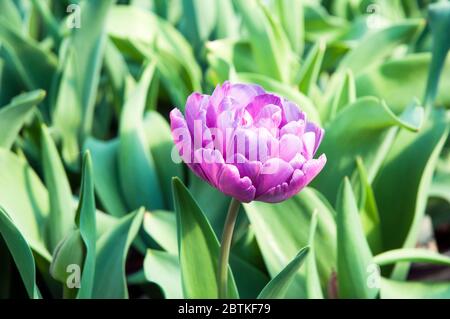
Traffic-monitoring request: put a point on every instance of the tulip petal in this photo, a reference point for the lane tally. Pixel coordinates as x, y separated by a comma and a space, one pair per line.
290, 145
233, 185
300, 178
275, 171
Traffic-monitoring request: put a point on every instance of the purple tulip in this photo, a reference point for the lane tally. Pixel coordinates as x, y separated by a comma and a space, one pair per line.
248, 143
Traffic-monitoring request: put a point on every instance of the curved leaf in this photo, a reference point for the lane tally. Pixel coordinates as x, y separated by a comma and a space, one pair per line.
279, 285
112, 250
353, 252
13, 115
21, 253
198, 248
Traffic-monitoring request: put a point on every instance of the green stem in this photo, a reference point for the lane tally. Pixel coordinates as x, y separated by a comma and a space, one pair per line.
227, 235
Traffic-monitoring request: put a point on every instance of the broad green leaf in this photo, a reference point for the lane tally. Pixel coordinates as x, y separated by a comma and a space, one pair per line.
211, 201
160, 142
162, 227
366, 129
62, 212
227, 25
280, 231
86, 223
407, 173
198, 248
249, 279
344, 95
377, 46
164, 269
398, 80
277, 87
370, 218
439, 17
319, 25
392, 289
74, 110
310, 69
34, 65
353, 252
13, 115
10, 14
270, 46
106, 175
21, 253
198, 20
279, 285
137, 170
226, 56
25, 198
112, 250
313, 287
291, 15
411, 255
127, 24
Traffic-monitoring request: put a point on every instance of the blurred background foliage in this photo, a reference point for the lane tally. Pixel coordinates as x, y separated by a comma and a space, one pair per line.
86, 163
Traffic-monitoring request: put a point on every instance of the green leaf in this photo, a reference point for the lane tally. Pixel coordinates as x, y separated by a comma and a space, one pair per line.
279, 285
319, 25
374, 48
439, 17
310, 69
62, 212
162, 227
86, 223
198, 248
106, 175
411, 255
159, 137
353, 252
74, 110
21, 253
25, 198
313, 287
392, 289
366, 129
112, 250
14, 115
163, 269
344, 95
137, 171
407, 173
370, 218
270, 46
398, 80
290, 14
128, 23
198, 20
34, 65
278, 229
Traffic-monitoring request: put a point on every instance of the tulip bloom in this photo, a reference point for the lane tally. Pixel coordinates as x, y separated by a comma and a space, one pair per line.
248, 143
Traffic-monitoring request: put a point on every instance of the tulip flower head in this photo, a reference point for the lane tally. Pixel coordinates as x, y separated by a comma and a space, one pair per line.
248, 143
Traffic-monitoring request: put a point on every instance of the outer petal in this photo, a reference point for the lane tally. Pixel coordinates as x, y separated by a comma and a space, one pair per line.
179, 128
260, 101
233, 185
300, 178
244, 93
318, 132
291, 112
274, 172
251, 169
